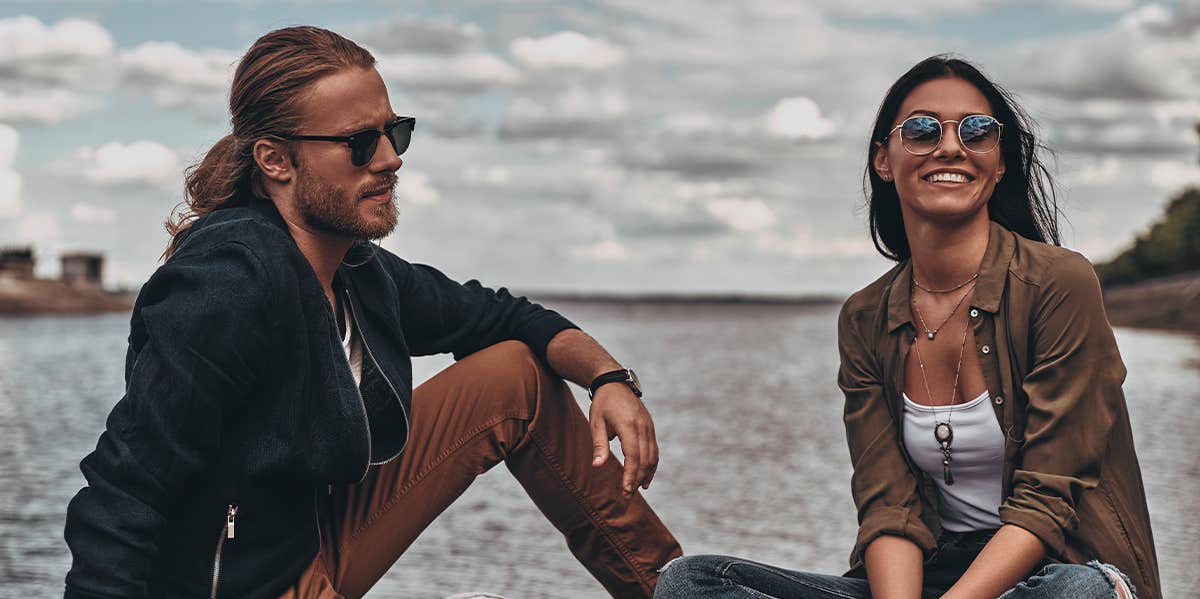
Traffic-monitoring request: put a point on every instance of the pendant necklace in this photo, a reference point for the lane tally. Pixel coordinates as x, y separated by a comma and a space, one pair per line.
931, 333
943, 433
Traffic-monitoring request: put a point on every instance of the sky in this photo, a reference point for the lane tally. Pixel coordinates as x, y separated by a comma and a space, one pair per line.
615, 146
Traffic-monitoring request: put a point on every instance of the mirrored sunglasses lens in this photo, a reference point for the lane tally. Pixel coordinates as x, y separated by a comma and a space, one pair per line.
921, 133
979, 133
362, 147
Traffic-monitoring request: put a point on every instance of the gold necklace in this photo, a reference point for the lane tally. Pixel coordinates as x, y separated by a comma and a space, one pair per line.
931, 333
943, 433
947, 290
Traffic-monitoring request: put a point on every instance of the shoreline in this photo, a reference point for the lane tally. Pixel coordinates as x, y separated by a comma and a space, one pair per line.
32, 297
1169, 303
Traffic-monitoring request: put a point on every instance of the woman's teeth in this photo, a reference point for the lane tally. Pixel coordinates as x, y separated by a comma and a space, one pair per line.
946, 178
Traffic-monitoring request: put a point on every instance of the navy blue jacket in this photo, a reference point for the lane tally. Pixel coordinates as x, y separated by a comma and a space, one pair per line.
240, 405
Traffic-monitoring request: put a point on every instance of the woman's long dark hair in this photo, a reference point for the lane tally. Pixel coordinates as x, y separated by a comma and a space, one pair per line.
1023, 201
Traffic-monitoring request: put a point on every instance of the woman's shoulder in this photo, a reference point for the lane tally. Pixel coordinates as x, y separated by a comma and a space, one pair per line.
873, 297
1046, 265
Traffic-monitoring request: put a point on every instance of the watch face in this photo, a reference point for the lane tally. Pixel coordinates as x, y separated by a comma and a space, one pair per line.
634, 382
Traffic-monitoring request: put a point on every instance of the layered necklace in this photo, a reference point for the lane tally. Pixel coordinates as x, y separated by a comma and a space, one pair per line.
943, 432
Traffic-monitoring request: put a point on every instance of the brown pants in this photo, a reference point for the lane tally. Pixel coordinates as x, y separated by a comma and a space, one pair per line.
496, 405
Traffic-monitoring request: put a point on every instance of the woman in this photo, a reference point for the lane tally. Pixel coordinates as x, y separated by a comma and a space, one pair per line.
989, 437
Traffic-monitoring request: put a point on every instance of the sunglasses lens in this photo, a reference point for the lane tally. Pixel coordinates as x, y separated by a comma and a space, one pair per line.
362, 147
979, 133
920, 134
400, 134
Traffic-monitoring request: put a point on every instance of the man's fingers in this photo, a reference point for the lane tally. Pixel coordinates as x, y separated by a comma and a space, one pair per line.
633, 460
599, 442
652, 460
647, 465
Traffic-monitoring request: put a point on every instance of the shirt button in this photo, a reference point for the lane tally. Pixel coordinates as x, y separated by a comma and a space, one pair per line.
985, 349
974, 313
999, 400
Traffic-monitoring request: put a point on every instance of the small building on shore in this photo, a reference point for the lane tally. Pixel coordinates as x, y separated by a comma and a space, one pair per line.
82, 268
17, 263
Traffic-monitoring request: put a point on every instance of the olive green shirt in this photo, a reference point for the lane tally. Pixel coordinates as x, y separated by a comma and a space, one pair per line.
1054, 374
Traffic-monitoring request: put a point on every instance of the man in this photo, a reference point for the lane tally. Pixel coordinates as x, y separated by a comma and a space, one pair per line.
269, 443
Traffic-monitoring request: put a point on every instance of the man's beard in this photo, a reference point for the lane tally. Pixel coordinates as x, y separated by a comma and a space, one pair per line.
330, 209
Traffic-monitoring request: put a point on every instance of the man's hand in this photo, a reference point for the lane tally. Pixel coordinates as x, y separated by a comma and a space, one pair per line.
616, 411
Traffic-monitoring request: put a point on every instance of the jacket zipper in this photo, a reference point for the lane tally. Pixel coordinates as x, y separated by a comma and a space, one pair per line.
227, 532
362, 405
403, 411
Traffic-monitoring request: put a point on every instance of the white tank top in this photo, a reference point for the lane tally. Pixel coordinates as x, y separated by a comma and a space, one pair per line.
973, 501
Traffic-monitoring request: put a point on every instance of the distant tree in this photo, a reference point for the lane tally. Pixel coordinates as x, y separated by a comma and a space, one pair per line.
1171, 246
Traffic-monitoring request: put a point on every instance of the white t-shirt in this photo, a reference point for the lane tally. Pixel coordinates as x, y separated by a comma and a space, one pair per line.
977, 460
352, 345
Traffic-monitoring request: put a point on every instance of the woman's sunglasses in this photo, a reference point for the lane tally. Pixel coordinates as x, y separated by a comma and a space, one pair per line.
363, 144
920, 135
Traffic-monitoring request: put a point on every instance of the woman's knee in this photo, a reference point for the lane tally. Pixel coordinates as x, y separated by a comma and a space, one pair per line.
1091, 580
685, 576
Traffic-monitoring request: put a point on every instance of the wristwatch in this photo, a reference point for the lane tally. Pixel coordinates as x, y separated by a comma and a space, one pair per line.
623, 375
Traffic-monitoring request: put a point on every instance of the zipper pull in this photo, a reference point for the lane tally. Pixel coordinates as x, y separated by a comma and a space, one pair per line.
230, 516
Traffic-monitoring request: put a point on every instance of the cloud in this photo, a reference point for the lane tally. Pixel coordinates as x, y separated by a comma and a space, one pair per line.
569, 50
43, 107
495, 176
10, 179
407, 34
115, 163
32, 51
798, 118
413, 187
742, 214
1105, 170
90, 213
1174, 174
608, 251
575, 113
460, 73
1149, 54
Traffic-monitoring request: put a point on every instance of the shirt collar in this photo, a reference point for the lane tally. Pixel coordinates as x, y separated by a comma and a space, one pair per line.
993, 271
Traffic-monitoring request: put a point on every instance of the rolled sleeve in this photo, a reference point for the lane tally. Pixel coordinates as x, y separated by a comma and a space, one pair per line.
884, 488
1074, 397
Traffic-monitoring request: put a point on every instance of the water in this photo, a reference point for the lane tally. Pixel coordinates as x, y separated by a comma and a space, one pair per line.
748, 419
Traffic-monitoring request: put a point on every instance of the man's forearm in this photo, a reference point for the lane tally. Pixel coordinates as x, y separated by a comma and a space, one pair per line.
575, 356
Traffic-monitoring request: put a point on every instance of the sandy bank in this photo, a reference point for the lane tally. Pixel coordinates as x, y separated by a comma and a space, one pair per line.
47, 296
1171, 303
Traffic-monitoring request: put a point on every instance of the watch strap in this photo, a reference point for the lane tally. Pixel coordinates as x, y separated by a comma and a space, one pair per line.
615, 376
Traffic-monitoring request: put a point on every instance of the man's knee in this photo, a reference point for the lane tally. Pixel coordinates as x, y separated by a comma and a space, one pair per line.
510, 370
1094, 579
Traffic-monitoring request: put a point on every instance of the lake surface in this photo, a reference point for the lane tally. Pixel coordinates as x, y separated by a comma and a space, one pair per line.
748, 419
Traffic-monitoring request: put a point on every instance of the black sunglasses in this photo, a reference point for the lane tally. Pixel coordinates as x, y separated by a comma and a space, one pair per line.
363, 144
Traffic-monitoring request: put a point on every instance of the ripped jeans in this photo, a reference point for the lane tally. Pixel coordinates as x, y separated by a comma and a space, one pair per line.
712, 576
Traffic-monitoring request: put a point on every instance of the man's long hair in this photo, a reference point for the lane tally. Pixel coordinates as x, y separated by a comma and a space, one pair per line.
264, 101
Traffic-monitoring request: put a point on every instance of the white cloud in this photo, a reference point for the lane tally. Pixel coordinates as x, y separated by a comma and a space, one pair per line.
491, 175
414, 187
798, 118
10, 179
419, 35
567, 50
167, 63
90, 213
115, 163
1174, 174
1098, 171
608, 251
39, 228
472, 72
742, 214
576, 112
33, 50
45, 107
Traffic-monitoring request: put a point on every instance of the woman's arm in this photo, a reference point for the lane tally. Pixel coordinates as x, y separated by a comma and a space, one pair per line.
895, 568
1005, 561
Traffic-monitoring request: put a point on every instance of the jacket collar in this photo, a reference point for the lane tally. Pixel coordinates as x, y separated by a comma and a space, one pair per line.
993, 271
